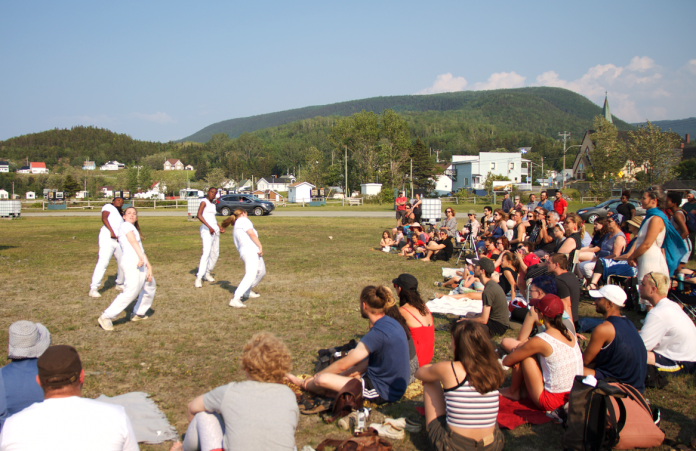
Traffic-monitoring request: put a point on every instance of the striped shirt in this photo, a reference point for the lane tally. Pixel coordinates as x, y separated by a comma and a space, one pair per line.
467, 408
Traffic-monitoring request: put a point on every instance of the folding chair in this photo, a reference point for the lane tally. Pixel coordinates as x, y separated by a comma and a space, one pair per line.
576, 258
684, 294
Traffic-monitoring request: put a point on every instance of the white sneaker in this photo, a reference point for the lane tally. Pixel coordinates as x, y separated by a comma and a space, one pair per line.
105, 323
237, 303
120, 287
253, 294
135, 317
93, 293
388, 431
209, 277
198, 283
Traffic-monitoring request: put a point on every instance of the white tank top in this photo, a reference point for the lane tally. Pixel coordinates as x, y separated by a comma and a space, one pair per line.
209, 212
560, 368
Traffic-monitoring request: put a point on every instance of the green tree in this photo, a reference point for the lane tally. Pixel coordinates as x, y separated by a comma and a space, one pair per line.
215, 178
657, 152
607, 158
202, 170
490, 178
686, 170
395, 146
132, 179
360, 133
70, 186
145, 178
423, 166
313, 169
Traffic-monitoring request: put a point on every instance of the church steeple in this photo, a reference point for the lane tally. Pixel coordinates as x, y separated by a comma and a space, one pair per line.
605, 109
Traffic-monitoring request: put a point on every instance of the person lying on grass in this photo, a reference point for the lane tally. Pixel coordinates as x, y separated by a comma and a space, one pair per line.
545, 366
380, 361
463, 280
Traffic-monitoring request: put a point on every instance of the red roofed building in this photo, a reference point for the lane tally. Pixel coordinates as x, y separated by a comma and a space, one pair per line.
38, 168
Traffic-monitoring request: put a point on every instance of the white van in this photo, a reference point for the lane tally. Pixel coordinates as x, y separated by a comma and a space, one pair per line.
190, 193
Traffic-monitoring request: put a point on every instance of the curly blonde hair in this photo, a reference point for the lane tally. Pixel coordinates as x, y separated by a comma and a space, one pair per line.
265, 358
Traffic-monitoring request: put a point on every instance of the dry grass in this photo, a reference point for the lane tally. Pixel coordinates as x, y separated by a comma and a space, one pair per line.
193, 341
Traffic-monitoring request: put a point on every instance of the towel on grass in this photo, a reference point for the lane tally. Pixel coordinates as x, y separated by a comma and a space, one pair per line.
512, 414
150, 424
461, 307
451, 272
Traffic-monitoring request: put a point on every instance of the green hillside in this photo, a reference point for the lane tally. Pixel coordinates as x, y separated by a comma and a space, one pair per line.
680, 126
539, 110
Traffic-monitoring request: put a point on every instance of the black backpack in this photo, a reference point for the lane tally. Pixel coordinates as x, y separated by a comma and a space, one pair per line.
328, 356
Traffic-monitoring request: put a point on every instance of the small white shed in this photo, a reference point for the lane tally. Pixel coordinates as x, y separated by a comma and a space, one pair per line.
4, 194
370, 189
30, 195
300, 192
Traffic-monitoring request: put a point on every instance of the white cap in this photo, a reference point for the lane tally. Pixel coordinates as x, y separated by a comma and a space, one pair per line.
613, 293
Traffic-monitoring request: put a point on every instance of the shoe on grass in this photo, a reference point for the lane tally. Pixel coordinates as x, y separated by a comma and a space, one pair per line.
209, 277
254, 294
403, 423
438, 284
198, 283
388, 431
93, 293
135, 317
105, 323
237, 303
120, 287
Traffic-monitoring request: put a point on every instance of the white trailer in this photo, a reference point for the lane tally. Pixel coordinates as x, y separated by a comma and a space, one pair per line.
10, 209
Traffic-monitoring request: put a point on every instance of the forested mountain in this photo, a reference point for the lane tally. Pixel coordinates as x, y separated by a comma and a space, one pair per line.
539, 110
680, 126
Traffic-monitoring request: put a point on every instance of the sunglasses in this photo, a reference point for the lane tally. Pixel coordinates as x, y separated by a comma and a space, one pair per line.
448, 211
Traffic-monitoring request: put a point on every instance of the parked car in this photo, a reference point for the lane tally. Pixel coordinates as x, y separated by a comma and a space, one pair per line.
228, 203
591, 214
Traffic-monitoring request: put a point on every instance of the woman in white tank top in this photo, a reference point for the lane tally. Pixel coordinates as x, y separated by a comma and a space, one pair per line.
545, 366
210, 237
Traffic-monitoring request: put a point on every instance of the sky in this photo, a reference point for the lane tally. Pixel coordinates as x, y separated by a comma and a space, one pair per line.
162, 70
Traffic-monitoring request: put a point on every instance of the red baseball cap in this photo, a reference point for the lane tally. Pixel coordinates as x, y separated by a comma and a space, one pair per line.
550, 305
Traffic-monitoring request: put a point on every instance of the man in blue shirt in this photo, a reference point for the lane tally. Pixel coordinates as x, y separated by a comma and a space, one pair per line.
381, 359
28, 341
507, 203
545, 202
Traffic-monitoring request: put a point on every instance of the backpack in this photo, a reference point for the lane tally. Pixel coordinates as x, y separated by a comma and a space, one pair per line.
348, 399
609, 415
328, 356
690, 220
361, 441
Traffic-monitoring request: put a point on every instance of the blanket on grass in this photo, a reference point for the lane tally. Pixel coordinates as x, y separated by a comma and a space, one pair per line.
512, 414
150, 424
461, 307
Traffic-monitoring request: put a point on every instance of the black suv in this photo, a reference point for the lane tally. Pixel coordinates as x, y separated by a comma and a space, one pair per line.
228, 203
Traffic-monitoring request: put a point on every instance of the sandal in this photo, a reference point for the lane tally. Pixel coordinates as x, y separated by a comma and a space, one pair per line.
310, 405
590, 285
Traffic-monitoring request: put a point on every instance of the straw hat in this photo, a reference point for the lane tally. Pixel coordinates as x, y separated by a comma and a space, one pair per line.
28, 340
636, 221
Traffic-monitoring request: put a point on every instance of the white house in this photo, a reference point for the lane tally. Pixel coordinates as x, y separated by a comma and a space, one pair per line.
4, 194
274, 183
107, 191
82, 195
89, 166
268, 194
30, 195
443, 184
229, 184
244, 185
300, 192
157, 191
24, 170
4, 166
370, 189
470, 171
38, 168
189, 168
112, 166
173, 164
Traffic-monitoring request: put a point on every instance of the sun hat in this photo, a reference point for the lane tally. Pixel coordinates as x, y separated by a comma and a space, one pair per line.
416, 224
60, 365
406, 282
472, 212
28, 340
613, 293
636, 221
550, 305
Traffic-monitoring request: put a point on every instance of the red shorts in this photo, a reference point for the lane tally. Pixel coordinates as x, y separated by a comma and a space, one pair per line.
552, 401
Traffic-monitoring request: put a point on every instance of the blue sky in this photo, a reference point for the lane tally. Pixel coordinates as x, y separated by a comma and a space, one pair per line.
161, 70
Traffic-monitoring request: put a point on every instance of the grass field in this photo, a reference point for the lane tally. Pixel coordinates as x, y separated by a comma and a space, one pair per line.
193, 341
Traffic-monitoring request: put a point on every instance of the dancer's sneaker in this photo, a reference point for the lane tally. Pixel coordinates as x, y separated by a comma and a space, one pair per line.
209, 277
105, 323
237, 303
93, 293
253, 294
135, 317
120, 287
198, 283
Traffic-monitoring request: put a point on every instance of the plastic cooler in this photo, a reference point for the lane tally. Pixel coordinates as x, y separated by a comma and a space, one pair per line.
431, 211
192, 207
10, 208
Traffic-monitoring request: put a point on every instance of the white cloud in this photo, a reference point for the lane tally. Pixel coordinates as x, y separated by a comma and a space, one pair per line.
641, 64
445, 83
159, 117
501, 80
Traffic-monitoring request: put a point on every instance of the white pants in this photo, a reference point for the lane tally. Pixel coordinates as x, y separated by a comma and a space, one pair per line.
107, 248
689, 249
136, 286
205, 432
254, 270
587, 268
211, 251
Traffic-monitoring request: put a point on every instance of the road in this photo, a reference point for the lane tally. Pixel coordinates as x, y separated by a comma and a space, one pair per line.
182, 213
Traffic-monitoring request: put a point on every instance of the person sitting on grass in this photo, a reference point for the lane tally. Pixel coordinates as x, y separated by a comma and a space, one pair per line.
545, 366
440, 249
463, 416
509, 268
386, 241
494, 314
668, 333
380, 360
417, 316
615, 349
258, 413
463, 281
413, 247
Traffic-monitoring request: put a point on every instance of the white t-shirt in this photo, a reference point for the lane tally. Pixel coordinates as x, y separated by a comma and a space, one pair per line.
242, 239
114, 219
669, 332
209, 213
70, 424
129, 254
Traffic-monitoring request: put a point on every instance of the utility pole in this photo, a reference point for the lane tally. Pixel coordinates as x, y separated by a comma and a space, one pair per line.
346, 161
411, 178
565, 136
542, 172
437, 156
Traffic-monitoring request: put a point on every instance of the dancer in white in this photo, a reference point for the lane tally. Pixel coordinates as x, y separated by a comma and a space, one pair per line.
137, 270
251, 252
108, 246
210, 236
